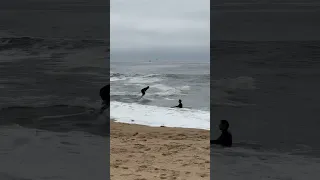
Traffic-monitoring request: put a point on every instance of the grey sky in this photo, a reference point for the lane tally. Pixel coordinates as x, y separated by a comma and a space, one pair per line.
265, 20
160, 27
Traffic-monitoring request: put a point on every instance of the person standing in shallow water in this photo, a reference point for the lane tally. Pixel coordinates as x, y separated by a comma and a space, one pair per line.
105, 96
179, 105
225, 138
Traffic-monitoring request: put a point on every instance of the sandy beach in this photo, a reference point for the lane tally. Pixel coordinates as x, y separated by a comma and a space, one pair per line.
146, 153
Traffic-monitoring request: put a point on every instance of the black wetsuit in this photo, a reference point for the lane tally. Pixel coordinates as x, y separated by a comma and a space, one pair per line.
224, 140
105, 96
105, 93
179, 106
143, 91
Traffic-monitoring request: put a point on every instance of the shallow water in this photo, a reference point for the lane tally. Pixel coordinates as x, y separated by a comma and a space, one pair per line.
239, 163
169, 81
269, 93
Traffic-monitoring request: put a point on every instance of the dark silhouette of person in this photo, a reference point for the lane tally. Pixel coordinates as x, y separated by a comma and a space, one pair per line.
105, 96
143, 91
179, 105
225, 138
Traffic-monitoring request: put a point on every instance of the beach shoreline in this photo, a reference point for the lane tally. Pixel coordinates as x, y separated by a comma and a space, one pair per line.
140, 152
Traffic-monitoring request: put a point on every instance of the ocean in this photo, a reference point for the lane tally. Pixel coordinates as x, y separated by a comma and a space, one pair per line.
169, 81
53, 62
269, 93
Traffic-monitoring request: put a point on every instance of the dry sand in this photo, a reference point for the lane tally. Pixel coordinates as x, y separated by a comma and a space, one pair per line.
147, 153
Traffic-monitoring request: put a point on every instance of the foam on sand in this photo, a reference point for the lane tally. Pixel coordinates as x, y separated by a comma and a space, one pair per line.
159, 116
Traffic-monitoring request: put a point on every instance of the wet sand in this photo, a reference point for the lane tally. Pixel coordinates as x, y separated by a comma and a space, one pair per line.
149, 153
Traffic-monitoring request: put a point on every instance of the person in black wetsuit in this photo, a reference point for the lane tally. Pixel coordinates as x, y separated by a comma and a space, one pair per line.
143, 91
225, 138
180, 104
105, 96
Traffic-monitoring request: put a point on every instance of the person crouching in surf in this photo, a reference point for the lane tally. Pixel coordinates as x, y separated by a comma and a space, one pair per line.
179, 105
105, 96
143, 91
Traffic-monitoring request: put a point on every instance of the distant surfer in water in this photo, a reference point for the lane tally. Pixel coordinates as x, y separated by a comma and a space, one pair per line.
225, 138
143, 91
179, 105
105, 96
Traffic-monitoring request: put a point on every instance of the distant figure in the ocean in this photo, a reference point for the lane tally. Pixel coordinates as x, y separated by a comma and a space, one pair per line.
105, 96
143, 91
225, 138
179, 105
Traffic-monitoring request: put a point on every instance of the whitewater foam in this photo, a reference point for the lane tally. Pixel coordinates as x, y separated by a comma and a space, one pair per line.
159, 116
117, 79
167, 90
143, 80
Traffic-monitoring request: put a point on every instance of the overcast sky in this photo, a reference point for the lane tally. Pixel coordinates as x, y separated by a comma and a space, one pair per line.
176, 28
265, 20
